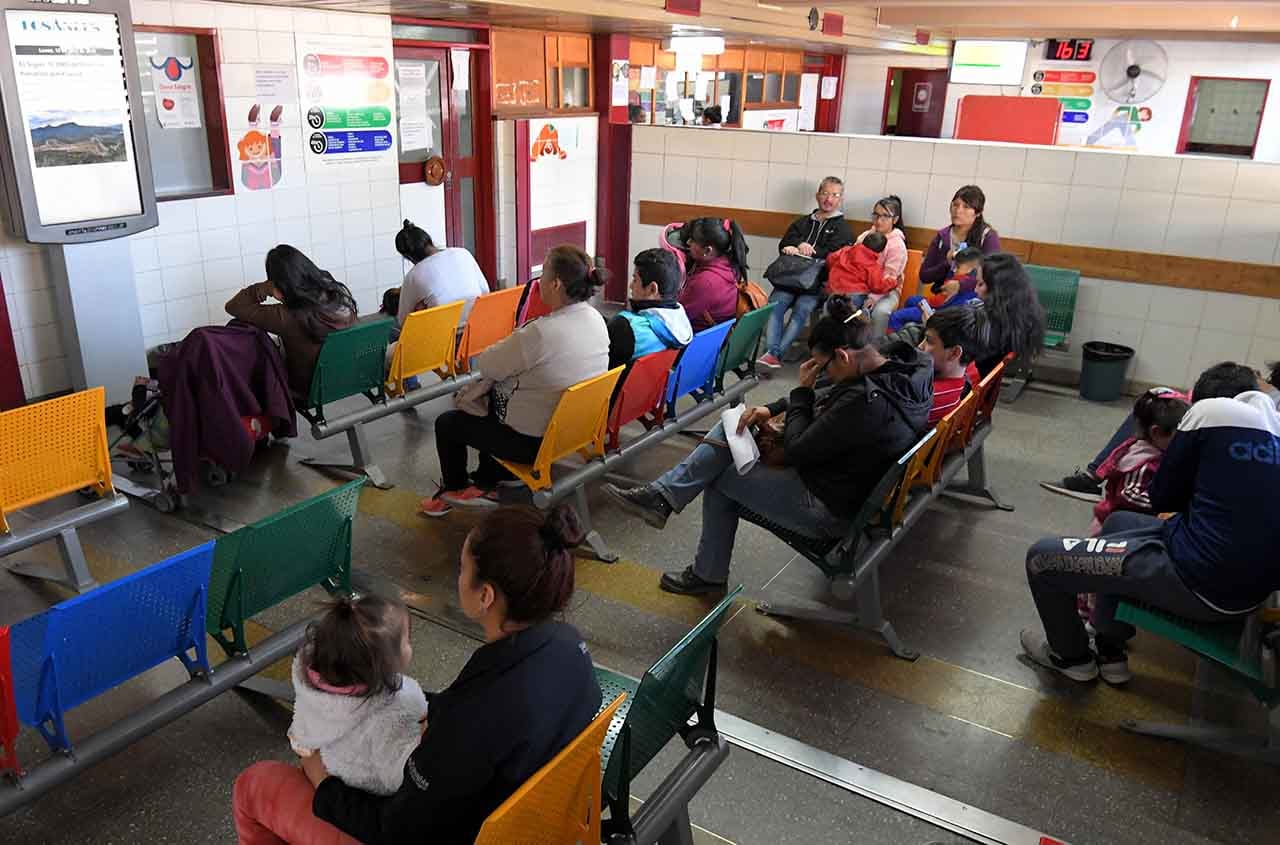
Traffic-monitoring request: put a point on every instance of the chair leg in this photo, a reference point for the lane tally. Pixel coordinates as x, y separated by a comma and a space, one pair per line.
869, 616
976, 486
594, 540
680, 832
1216, 738
74, 574
360, 464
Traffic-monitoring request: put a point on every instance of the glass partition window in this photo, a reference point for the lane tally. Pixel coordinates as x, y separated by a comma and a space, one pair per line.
418, 114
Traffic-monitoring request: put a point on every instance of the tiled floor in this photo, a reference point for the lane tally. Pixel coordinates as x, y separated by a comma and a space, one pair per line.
969, 719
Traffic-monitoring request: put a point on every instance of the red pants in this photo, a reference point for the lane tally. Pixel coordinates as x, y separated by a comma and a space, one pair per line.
271, 803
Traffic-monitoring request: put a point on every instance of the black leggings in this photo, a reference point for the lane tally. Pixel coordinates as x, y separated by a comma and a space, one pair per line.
456, 430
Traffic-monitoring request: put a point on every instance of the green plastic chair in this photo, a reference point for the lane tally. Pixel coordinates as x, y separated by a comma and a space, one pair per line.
1057, 289
352, 361
681, 684
261, 565
739, 354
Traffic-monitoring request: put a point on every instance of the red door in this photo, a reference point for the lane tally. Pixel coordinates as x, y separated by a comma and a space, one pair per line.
442, 114
921, 99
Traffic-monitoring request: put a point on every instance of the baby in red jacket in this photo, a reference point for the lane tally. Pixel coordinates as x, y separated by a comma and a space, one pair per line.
855, 271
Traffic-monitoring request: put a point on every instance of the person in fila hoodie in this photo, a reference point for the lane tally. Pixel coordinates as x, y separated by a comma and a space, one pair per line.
1214, 560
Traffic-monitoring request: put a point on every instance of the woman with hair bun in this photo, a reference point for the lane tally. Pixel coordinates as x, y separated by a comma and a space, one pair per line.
439, 275
522, 697
530, 370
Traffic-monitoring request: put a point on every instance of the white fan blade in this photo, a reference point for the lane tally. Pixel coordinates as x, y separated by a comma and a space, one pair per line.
1151, 74
1128, 56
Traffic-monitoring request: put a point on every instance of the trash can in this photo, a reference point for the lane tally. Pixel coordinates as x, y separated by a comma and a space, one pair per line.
1102, 376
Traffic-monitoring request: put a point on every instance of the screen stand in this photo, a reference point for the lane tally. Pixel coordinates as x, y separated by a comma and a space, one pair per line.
100, 321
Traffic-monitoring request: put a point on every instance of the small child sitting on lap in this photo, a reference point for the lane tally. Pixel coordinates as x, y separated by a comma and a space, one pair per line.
354, 706
957, 290
854, 271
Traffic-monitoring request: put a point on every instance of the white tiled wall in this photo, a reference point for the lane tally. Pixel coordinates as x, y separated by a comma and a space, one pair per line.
32, 306
504, 163
1211, 208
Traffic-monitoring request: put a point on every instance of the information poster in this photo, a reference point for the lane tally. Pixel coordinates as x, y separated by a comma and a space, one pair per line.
275, 84
177, 92
70, 78
347, 100
416, 132
619, 70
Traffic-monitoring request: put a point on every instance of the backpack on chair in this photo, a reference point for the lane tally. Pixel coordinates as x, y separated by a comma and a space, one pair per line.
750, 297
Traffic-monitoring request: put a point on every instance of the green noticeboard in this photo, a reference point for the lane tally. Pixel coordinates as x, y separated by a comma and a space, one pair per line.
1076, 103
372, 117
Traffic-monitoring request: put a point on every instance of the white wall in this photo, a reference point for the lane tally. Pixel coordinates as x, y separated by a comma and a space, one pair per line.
863, 101
1182, 206
563, 190
504, 165
33, 312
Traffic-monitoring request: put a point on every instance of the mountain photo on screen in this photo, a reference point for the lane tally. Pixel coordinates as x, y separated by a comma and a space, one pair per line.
59, 138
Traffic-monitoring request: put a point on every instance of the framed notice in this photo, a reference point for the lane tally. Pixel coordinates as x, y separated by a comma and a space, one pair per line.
78, 168
348, 100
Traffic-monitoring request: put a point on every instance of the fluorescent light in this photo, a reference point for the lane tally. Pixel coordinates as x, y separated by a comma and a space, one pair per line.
707, 45
770, 7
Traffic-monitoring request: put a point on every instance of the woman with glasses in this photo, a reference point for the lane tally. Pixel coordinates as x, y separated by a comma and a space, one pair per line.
816, 235
886, 218
825, 461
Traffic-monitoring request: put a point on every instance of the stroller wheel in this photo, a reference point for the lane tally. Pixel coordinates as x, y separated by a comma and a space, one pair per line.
165, 502
216, 475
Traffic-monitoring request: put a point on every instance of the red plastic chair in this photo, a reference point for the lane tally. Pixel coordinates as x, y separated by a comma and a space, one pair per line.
8, 709
532, 307
641, 394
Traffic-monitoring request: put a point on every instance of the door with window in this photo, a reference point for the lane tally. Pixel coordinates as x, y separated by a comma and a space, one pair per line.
914, 102
436, 107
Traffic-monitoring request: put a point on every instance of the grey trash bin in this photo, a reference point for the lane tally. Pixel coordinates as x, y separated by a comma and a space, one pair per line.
1103, 372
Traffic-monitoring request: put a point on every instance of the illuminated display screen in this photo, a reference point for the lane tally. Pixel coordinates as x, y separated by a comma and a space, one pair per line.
976, 62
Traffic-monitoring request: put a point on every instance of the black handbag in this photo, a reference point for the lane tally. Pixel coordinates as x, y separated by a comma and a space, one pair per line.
796, 273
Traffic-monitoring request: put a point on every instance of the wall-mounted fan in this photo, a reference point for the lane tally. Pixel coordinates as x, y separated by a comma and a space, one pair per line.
1133, 71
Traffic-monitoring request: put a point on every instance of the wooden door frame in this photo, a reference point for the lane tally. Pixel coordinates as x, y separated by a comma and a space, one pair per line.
1188, 110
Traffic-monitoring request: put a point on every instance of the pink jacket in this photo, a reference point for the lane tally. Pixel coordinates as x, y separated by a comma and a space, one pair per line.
893, 259
1126, 474
710, 293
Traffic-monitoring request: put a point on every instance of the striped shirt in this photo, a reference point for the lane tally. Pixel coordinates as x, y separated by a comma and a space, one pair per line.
947, 393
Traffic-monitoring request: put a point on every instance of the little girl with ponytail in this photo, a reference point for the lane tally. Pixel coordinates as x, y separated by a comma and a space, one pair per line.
354, 706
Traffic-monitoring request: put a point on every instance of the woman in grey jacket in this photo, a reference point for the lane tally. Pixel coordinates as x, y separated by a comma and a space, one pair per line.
834, 449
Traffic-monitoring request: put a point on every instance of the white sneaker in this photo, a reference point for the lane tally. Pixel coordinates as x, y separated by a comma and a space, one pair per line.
1115, 670
1037, 648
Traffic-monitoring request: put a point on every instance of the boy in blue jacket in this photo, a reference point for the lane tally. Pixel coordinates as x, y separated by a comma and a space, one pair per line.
654, 320
1214, 560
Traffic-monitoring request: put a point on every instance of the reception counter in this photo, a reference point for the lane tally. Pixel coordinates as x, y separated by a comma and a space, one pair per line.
1180, 255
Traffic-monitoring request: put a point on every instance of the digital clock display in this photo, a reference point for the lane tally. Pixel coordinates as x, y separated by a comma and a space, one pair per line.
1068, 49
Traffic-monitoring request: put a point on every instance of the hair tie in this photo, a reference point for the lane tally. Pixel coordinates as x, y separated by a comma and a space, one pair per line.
853, 316
727, 223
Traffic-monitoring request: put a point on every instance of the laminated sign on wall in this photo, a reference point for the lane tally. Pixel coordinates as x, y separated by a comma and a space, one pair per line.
177, 103
348, 96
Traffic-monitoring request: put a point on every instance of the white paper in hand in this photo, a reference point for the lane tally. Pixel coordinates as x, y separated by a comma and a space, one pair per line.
742, 446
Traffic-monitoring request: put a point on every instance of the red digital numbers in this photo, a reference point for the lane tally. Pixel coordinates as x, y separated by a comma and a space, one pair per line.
1066, 51
1084, 48
1069, 49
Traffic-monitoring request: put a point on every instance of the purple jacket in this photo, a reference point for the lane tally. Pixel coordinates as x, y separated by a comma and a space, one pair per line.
936, 267
710, 293
216, 376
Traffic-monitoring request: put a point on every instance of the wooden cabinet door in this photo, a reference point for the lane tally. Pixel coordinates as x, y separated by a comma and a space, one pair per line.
519, 66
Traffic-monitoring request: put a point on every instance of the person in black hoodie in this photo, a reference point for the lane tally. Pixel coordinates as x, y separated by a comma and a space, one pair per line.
521, 698
815, 235
833, 450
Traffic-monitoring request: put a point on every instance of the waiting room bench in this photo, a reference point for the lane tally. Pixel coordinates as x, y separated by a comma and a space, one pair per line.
83, 647
47, 450
897, 502
352, 362
699, 372
1248, 649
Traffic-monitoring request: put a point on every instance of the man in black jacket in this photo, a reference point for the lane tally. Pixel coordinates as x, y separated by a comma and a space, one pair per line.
834, 450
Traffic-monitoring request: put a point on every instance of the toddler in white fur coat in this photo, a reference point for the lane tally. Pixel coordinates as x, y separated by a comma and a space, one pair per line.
354, 706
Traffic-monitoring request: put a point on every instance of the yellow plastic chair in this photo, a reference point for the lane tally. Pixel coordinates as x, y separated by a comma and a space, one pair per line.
560, 804
578, 425
51, 448
492, 318
426, 344
911, 273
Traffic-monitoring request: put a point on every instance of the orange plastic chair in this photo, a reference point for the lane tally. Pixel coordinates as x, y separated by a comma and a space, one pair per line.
560, 804
426, 344
51, 448
949, 430
915, 476
911, 275
989, 393
492, 318
576, 426
641, 394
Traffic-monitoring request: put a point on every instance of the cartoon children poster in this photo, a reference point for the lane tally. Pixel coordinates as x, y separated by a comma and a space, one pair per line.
260, 165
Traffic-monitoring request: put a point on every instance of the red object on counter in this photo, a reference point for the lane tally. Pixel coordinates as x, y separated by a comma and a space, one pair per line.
1017, 120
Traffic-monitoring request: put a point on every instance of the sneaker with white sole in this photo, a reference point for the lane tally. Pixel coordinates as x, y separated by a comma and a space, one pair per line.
471, 497
770, 361
1114, 670
435, 507
1037, 648
1081, 484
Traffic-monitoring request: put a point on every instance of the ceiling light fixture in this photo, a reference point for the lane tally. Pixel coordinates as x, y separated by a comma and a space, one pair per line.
1235, 21
707, 45
770, 7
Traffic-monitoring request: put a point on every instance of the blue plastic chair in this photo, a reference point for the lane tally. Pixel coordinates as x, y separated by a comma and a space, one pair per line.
79, 649
695, 371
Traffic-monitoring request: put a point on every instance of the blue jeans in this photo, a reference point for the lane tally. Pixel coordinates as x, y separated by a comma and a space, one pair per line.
782, 332
775, 492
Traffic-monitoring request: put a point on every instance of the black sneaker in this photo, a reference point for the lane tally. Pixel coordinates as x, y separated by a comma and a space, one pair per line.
645, 502
685, 583
1081, 484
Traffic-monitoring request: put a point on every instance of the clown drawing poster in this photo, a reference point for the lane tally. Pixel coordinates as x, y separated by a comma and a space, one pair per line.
177, 91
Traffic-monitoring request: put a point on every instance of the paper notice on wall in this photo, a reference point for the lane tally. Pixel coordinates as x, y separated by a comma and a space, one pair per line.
416, 131
648, 76
808, 100
348, 100
275, 84
673, 87
177, 91
619, 70
829, 85
460, 60
702, 86
686, 109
